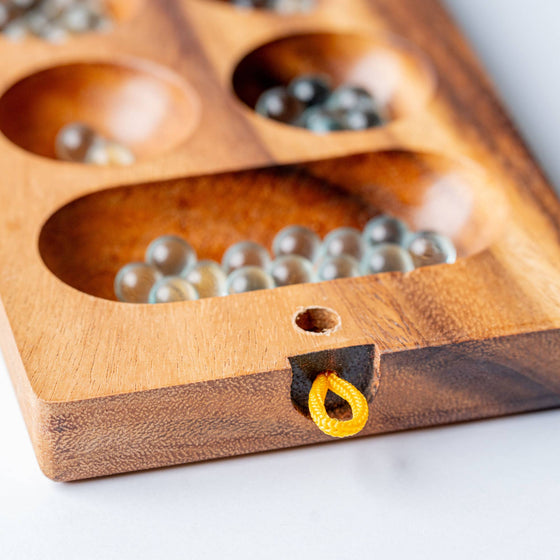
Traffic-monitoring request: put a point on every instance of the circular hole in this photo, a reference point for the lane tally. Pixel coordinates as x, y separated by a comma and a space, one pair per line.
87, 241
398, 76
317, 320
115, 11
141, 106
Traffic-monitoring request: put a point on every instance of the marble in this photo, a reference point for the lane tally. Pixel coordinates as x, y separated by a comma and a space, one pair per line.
171, 255
344, 241
97, 153
290, 6
208, 278
386, 229
74, 141
53, 20
310, 89
6, 14
245, 253
319, 120
171, 289
134, 281
297, 240
337, 267
15, 30
280, 6
279, 105
118, 154
77, 19
386, 257
429, 248
350, 97
288, 270
357, 119
249, 279
79, 143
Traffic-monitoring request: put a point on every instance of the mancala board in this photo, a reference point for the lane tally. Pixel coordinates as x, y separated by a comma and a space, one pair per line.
107, 387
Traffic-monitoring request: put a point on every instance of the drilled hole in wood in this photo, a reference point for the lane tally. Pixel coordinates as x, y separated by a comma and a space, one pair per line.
317, 320
354, 364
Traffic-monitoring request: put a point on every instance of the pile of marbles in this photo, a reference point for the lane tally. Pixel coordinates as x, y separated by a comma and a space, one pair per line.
52, 20
79, 143
281, 6
310, 102
172, 273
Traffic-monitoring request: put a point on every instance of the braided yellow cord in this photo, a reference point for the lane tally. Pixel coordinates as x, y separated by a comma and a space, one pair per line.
329, 380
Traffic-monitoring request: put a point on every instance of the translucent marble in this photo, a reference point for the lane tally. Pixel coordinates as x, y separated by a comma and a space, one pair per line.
386, 229
42, 21
348, 97
171, 255
208, 278
73, 142
24, 4
297, 240
171, 289
79, 143
341, 266
102, 23
36, 21
117, 154
78, 19
249, 279
310, 90
53, 20
97, 153
291, 269
290, 6
356, 119
319, 120
54, 8
15, 30
429, 248
343, 241
281, 6
6, 15
134, 281
386, 257
277, 104
245, 253
53, 33
244, 4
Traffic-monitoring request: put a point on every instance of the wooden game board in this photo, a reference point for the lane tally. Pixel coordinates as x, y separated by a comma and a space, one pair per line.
107, 387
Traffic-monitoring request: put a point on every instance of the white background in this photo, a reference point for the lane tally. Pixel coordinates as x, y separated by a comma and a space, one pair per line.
485, 490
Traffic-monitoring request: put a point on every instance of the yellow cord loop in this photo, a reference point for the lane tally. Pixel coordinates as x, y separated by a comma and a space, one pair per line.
329, 380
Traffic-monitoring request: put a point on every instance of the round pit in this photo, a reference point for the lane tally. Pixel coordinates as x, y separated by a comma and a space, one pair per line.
142, 106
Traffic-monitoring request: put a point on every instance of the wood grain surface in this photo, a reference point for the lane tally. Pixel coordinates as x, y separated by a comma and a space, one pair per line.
107, 387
